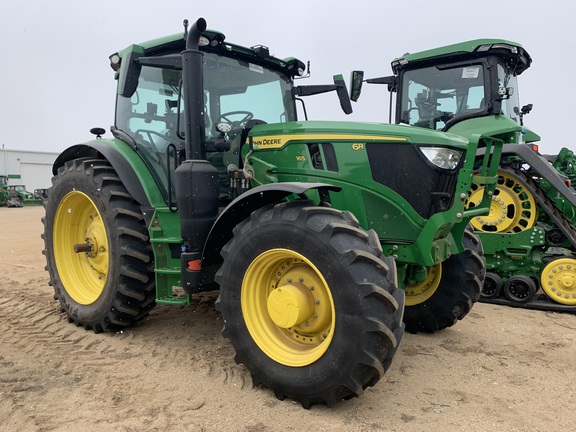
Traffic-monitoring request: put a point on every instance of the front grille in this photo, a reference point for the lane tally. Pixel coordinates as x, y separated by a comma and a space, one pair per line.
402, 168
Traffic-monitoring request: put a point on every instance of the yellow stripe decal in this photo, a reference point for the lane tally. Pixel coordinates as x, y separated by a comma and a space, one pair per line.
277, 141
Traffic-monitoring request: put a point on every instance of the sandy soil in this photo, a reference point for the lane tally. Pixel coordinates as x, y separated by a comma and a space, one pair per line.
501, 369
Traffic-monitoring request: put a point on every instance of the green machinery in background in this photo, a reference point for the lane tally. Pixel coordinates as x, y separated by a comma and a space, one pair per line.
529, 239
16, 195
316, 233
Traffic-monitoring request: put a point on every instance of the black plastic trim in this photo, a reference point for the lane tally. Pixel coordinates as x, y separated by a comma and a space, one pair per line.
118, 162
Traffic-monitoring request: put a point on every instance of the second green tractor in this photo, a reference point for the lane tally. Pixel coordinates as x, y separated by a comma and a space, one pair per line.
529, 236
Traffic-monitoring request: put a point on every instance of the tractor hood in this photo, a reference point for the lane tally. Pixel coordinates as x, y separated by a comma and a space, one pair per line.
494, 126
275, 136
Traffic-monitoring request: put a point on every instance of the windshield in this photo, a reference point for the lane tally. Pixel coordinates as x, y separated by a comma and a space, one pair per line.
432, 96
235, 91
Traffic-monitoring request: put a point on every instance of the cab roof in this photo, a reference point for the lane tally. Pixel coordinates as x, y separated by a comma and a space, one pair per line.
466, 50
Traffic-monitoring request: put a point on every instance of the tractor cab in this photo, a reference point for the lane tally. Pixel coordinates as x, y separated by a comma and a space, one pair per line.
456, 87
242, 87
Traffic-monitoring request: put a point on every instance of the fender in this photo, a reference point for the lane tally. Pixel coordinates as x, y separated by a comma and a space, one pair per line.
541, 165
127, 164
244, 205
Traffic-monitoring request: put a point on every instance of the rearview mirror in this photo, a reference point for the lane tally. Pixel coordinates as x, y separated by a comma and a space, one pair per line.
342, 92
356, 79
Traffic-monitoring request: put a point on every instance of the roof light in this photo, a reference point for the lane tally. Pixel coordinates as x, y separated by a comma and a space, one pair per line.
295, 67
506, 46
487, 47
115, 61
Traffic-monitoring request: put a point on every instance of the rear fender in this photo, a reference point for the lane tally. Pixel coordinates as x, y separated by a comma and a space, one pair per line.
128, 165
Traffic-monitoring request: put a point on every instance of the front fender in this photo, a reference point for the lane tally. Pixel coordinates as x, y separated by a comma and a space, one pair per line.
244, 205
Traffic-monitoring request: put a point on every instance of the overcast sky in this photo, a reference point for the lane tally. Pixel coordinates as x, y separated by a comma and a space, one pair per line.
57, 82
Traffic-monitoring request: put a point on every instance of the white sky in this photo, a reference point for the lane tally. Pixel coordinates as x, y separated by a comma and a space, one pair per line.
57, 83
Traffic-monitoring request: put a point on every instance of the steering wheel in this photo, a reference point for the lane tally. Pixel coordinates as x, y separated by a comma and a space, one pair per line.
226, 117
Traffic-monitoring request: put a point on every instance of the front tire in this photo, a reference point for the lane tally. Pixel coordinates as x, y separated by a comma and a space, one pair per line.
309, 302
452, 291
96, 246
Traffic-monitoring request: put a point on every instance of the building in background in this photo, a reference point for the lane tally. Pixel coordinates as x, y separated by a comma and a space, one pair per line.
30, 168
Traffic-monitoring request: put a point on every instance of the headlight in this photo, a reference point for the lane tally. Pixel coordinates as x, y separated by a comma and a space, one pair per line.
442, 157
223, 127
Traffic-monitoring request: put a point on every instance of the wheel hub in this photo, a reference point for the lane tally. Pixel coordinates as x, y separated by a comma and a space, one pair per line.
566, 281
290, 305
558, 280
98, 256
419, 292
496, 215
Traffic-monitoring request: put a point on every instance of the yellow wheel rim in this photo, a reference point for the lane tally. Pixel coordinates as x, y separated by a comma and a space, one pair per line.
288, 307
78, 223
558, 280
419, 292
512, 209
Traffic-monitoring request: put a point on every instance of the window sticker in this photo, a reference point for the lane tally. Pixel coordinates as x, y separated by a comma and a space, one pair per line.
256, 68
470, 72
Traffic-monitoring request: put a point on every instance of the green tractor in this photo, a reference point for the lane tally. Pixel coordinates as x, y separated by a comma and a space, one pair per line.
529, 238
26, 198
16, 195
312, 231
11, 195
4, 191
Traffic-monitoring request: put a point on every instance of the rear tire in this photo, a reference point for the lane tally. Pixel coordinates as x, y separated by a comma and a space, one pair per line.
458, 289
342, 324
111, 285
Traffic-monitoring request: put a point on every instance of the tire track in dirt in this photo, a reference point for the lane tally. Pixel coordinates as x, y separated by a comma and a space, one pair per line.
44, 356
28, 321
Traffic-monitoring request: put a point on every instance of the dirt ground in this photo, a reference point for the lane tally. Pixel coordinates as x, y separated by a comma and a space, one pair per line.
500, 369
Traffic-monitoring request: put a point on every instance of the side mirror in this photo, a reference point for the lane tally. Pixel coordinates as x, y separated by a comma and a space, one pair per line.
356, 80
342, 92
339, 86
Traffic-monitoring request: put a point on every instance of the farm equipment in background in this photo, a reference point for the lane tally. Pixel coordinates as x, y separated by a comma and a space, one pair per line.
8, 197
41, 194
529, 237
25, 197
15, 195
311, 230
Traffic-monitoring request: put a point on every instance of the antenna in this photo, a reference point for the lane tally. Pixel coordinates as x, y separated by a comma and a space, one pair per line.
185, 29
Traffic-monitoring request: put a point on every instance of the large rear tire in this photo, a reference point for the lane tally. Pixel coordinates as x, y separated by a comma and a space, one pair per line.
452, 290
96, 246
309, 302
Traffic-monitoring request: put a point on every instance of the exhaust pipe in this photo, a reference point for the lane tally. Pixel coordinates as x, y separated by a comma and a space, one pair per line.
196, 179
193, 97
